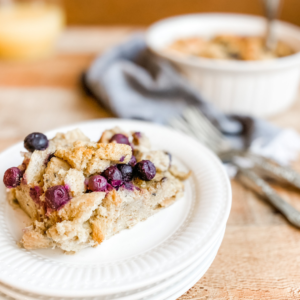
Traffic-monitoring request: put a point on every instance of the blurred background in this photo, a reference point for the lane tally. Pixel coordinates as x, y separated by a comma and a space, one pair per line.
144, 12
46, 46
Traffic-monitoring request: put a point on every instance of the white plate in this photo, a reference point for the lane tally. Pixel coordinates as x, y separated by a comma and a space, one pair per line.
179, 288
185, 285
161, 287
151, 251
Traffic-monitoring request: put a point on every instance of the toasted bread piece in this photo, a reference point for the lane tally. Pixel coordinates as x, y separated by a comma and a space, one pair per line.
98, 226
160, 159
59, 172
80, 208
108, 134
141, 142
36, 167
55, 172
32, 209
97, 165
84, 156
66, 140
34, 237
38, 159
74, 232
179, 174
71, 236
74, 181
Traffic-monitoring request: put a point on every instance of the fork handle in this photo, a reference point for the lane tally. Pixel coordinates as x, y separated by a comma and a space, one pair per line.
253, 181
272, 8
266, 167
280, 173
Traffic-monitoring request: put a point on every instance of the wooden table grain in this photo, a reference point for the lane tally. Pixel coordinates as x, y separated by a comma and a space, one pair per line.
259, 257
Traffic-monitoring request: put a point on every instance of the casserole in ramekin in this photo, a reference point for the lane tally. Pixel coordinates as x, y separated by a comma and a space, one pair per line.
258, 88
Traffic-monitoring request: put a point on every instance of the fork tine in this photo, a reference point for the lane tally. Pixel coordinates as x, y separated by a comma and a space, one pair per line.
202, 126
196, 132
214, 132
182, 125
205, 120
179, 124
194, 123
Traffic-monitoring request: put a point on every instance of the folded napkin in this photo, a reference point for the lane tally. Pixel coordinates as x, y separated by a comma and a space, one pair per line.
135, 84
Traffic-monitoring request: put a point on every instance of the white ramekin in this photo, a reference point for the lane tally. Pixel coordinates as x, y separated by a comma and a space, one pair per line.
258, 88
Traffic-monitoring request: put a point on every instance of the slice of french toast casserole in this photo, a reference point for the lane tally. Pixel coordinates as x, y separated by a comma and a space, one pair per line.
79, 193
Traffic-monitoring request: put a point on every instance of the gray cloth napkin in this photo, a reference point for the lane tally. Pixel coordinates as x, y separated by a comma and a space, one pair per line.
135, 84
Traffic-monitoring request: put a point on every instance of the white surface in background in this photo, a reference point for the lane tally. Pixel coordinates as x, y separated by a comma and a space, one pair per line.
284, 148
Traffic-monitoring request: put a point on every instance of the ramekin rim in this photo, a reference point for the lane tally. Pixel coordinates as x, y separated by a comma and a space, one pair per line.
225, 65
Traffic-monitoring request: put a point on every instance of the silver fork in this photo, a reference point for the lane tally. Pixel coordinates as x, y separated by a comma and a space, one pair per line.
272, 8
195, 124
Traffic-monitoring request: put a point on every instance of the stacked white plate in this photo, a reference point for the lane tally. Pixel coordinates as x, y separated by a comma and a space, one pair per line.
160, 258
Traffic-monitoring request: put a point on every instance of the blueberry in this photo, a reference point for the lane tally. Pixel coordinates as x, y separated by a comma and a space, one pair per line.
57, 196
12, 177
120, 139
113, 176
50, 156
145, 170
109, 188
97, 183
130, 186
36, 141
132, 161
35, 193
127, 172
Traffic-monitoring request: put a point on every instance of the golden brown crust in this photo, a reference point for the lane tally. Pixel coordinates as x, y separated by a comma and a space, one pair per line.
179, 174
83, 156
98, 226
80, 208
227, 46
35, 240
168, 201
34, 237
97, 165
67, 139
112, 198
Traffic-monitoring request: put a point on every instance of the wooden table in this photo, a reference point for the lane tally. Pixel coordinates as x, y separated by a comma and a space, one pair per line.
260, 255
